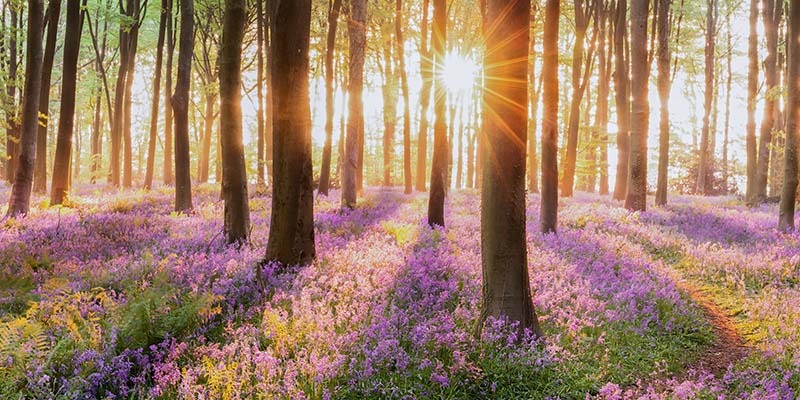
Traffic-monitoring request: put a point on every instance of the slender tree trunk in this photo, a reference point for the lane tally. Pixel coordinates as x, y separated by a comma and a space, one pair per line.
119, 97
260, 83
728, 85
460, 152
269, 116
770, 74
440, 146
790, 160
752, 92
291, 231
401, 68
663, 54
237, 212
180, 105
549, 206
133, 43
621, 84
389, 89
97, 138
66, 115
426, 71
710, 66
13, 128
535, 90
151, 146
506, 284
204, 161
167, 174
19, 202
333, 22
636, 199
40, 171
355, 116
600, 139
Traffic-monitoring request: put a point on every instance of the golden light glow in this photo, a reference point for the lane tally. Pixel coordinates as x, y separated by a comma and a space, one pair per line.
458, 73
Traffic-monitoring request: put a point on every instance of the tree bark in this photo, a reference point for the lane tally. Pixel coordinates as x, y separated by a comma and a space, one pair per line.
237, 212
636, 199
13, 128
440, 146
506, 285
355, 116
549, 205
401, 68
533, 101
260, 83
133, 44
151, 146
291, 231
663, 54
790, 160
19, 202
204, 162
390, 90
425, 97
180, 106
770, 75
600, 133
622, 97
167, 174
325, 170
710, 66
751, 195
728, 85
40, 171
66, 114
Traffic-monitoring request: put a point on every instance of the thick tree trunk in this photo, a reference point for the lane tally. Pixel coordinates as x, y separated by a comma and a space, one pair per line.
621, 85
40, 171
333, 22
790, 179
180, 105
13, 128
549, 207
66, 114
151, 146
291, 231
706, 152
440, 146
401, 69
770, 74
237, 212
636, 199
167, 174
663, 54
355, 116
506, 284
19, 202
426, 71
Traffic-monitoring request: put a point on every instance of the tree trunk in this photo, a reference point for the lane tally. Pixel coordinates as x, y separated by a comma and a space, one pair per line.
180, 105
600, 133
269, 117
19, 202
401, 68
506, 284
535, 90
389, 89
728, 85
291, 231
168, 175
705, 151
237, 212
549, 206
333, 22
260, 83
204, 162
13, 129
752, 91
425, 97
770, 74
663, 54
66, 114
636, 199
133, 43
151, 146
440, 146
621, 84
40, 171
582, 18
355, 116
790, 160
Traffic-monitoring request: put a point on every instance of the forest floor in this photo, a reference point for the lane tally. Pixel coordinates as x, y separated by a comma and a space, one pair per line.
116, 296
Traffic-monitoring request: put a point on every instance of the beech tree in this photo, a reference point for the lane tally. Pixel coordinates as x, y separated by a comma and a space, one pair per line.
291, 230
506, 285
53, 15
426, 72
705, 152
790, 160
234, 180
66, 120
19, 202
325, 169
151, 145
549, 206
440, 146
636, 199
355, 115
663, 55
622, 98
180, 106
752, 91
